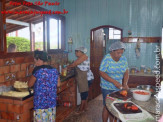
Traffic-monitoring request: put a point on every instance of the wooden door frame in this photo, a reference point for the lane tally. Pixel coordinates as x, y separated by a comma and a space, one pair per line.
91, 41
94, 85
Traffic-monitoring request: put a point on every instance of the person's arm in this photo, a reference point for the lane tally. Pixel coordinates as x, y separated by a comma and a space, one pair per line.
78, 61
31, 81
125, 79
59, 82
109, 79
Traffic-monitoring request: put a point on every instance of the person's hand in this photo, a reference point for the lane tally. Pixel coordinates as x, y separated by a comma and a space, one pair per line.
118, 85
125, 87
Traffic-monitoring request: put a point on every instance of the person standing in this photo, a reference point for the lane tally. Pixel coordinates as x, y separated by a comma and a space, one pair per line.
11, 48
84, 76
45, 80
114, 74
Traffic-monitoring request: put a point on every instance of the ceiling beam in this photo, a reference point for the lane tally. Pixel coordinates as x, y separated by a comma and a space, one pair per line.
17, 22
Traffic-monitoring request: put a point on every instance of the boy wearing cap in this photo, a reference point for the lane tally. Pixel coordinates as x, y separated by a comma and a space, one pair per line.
113, 69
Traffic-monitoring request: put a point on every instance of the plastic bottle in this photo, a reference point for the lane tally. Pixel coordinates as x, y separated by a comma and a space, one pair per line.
60, 69
67, 104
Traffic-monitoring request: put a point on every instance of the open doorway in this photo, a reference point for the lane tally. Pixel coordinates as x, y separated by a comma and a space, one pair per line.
101, 38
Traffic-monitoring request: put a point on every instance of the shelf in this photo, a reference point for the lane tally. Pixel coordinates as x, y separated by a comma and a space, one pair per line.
142, 39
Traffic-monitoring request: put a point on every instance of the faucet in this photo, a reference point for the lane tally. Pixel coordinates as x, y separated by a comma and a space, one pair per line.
27, 70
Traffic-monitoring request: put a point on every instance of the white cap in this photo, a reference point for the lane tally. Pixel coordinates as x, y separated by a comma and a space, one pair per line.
117, 45
82, 49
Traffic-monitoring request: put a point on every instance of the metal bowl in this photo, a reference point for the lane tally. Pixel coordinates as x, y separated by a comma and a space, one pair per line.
150, 88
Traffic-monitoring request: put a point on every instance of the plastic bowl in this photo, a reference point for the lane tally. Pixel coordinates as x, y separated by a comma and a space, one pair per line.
141, 95
150, 88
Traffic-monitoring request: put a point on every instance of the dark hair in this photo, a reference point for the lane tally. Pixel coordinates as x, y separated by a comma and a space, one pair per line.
11, 48
42, 55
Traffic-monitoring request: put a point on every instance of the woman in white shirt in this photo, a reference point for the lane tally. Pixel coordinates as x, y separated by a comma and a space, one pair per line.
83, 65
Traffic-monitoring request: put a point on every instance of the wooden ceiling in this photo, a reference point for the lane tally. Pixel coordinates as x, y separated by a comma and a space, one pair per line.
27, 18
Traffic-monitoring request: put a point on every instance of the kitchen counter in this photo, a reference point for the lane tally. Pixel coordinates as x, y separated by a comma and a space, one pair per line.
21, 109
149, 106
144, 74
69, 75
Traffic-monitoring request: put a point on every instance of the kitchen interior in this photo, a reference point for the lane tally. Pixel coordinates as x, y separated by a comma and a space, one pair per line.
94, 24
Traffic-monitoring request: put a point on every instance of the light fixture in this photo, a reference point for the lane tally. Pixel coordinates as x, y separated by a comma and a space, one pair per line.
70, 42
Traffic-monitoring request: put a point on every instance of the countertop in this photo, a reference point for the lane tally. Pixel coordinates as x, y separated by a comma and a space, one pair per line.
149, 106
144, 74
70, 74
62, 78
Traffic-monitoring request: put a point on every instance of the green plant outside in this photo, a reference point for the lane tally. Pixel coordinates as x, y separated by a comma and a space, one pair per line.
23, 44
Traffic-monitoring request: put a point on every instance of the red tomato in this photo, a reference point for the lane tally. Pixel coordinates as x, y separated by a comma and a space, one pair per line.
134, 107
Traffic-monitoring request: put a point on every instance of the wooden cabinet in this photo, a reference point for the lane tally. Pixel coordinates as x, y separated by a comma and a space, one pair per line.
66, 94
135, 80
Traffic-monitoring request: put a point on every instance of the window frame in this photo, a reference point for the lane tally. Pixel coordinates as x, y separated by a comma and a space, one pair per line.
3, 41
46, 34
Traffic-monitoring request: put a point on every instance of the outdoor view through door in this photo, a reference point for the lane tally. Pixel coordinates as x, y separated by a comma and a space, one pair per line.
101, 38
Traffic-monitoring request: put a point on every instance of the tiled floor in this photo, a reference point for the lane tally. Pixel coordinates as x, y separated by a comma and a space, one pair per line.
94, 113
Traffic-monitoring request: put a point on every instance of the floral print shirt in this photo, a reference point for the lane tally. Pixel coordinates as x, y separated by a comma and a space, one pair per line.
45, 87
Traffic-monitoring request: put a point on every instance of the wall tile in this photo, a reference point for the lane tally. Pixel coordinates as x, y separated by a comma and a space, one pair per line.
3, 107
25, 116
27, 106
3, 120
15, 68
19, 60
18, 102
2, 78
4, 69
20, 66
15, 108
20, 74
6, 100
7, 115
29, 59
23, 66
1, 62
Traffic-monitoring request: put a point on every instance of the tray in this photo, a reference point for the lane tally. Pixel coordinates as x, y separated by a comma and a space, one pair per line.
119, 96
120, 107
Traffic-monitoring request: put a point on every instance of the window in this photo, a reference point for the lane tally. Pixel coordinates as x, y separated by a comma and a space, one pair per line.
30, 32
114, 33
55, 33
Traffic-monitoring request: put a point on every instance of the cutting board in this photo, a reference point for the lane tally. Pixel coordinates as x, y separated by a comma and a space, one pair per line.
119, 96
120, 107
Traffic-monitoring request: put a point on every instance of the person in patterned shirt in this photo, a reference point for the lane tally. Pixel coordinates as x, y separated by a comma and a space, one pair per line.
113, 69
83, 63
45, 80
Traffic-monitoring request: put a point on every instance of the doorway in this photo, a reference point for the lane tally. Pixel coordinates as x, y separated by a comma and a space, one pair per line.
101, 38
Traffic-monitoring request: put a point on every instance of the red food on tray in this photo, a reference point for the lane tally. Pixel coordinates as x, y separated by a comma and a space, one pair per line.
141, 92
127, 108
123, 94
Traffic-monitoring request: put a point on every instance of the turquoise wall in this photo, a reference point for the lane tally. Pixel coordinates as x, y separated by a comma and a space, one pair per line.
143, 17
